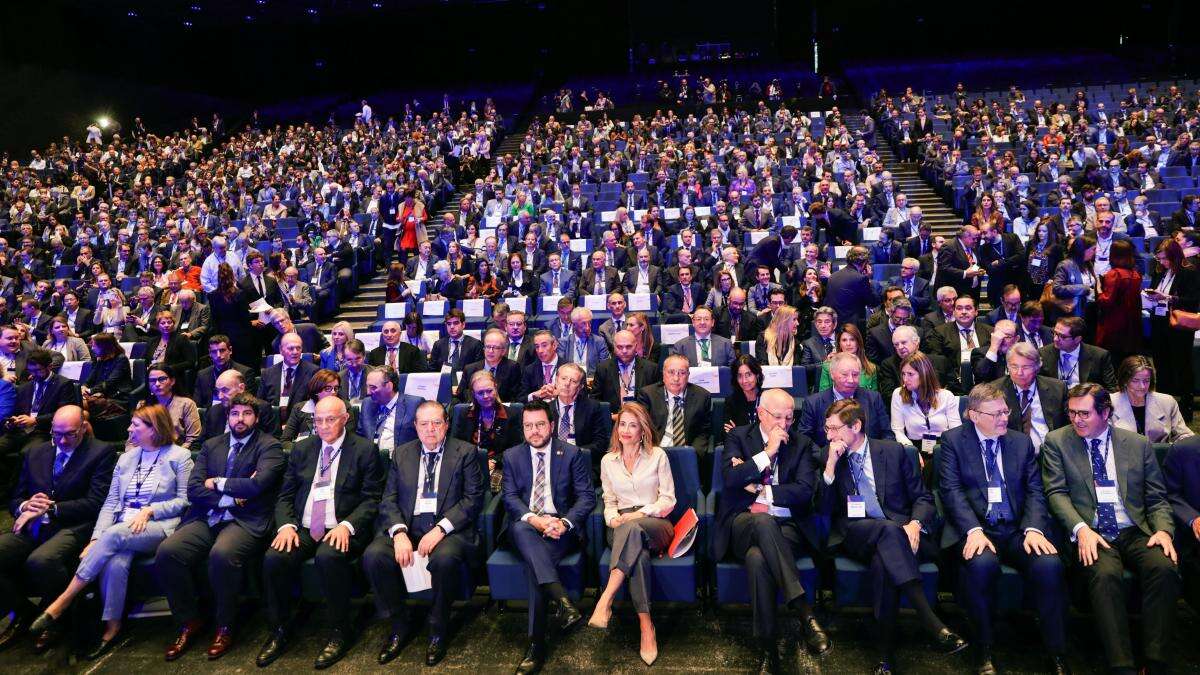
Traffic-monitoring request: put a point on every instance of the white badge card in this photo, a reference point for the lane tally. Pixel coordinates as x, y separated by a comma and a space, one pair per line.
1036, 262
1106, 492
856, 507
426, 505
322, 494
927, 443
283, 401
994, 496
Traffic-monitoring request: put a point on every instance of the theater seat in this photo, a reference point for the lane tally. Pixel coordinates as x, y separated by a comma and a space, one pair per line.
853, 584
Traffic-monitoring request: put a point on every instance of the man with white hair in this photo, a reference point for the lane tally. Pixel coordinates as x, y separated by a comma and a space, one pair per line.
844, 369
582, 346
287, 381
444, 285
297, 295
192, 319
220, 254
906, 340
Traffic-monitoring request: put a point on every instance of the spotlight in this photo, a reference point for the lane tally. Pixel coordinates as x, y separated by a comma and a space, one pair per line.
312, 11
187, 24
104, 122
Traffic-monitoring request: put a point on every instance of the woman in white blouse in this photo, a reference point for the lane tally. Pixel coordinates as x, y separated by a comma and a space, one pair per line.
920, 405
1137, 407
639, 494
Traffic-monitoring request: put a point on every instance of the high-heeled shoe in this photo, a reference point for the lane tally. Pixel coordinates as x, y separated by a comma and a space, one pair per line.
598, 623
649, 656
43, 623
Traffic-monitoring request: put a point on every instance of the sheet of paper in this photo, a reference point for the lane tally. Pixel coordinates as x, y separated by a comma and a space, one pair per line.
517, 303
416, 576
260, 305
708, 377
433, 308
72, 370
596, 303
394, 310
474, 307
840, 252
794, 221
369, 340
702, 211
758, 235
608, 216
871, 233
414, 286
777, 377
639, 302
674, 332
671, 213
550, 303
578, 246
491, 221
423, 385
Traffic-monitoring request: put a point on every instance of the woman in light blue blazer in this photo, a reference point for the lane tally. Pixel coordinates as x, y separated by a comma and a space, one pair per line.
1074, 281
145, 501
333, 355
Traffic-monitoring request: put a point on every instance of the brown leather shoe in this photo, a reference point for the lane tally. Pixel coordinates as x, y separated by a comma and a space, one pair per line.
221, 643
45, 640
186, 636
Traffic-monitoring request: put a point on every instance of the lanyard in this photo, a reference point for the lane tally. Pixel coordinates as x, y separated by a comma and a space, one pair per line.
137, 486
332, 458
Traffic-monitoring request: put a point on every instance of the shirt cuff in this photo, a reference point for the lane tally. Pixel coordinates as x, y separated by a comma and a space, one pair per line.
285, 526
991, 356
975, 529
570, 525
394, 529
348, 527
446, 525
221, 484
225, 502
827, 478
1034, 529
762, 461
22, 506
1075, 530
525, 518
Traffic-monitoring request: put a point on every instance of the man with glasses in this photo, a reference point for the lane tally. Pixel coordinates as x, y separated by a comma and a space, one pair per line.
768, 473
680, 409
326, 513
220, 352
703, 348
881, 516
62, 486
387, 413
1104, 486
1037, 404
435, 491
1073, 362
495, 360
991, 490
955, 340
546, 508
352, 384
231, 495
286, 382
37, 400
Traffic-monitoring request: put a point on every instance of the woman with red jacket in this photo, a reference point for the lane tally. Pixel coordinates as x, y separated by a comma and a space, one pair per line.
1119, 327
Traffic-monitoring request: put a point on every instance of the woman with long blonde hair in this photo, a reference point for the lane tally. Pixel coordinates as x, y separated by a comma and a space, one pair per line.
778, 344
639, 325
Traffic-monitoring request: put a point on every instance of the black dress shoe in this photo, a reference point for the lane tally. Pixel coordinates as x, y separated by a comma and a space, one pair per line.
815, 637
104, 646
985, 666
17, 629
393, 645
43, 623
768, 660
333, 651
1058, 665
568, 616
883, 668
272, 648
435, 652
534, 659
46, 639
948, 642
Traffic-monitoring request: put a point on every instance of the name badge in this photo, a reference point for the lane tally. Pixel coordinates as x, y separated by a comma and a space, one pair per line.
1160, 310
322, 494
1106, 492
1036, 262
994, 496
283, 401
927, 443
856, 507
427, 504
965, 355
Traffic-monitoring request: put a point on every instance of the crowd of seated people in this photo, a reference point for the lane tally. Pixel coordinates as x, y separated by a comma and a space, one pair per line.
635, 269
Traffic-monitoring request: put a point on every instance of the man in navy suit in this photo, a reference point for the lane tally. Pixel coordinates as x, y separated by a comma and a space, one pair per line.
231, 492
435, 492
845, 370
767, 475
322, 279
325, 511
287, 381
850, 289
991, 490
387, 413
882, 516
1181, 473
455, 349
59, 492
37, 399
545, 526
582, 422
495, 360
916, 289
556, 280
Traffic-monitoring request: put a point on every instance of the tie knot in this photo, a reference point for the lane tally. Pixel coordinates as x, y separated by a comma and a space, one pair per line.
990, 444
237, 447
1095, 445
679, 400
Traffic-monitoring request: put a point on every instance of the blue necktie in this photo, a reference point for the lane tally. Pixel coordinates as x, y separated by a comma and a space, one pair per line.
383, 415
229, 460
863, 486
1106, 514
60, 463
1001, 511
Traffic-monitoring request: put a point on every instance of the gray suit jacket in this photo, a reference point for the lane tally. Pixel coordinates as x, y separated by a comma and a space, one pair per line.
720, 352
1164, 423
167, 484
199, 320
1070, 486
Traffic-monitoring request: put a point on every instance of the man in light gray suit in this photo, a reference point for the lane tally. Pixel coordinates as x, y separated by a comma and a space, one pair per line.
297, 295
704, 348
192, 318
1104, 485
581, 346
388, 414
616, 321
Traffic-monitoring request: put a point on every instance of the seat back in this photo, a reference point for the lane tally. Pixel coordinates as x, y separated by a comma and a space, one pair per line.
685, 470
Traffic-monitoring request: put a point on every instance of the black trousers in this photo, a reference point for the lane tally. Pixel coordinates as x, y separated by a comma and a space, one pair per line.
768, 547
445, 566
1160, 582
227, 547
1043, 572
883, 545
41, 567
335, 570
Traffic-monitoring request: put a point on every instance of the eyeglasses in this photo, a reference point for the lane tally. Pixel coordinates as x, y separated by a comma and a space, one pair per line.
785, 417
330, 389
998, 416
159, 380
830, 430
1084, 415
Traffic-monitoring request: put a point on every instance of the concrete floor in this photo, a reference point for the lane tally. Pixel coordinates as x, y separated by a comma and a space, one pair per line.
490, 640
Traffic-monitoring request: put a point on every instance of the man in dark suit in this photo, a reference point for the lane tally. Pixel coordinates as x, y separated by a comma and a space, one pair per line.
387, 413
231, 493
734, 322
767, 490
444, 285
435, 492
958, 263
220, 353
905, 341
520, 348
991, 362
455, 349
620, 378
312, 340
286, 382
845, 370
820, 344
326, 511
193, 320
681, 409
352, 379
580, 421
917, 290
322, 279
1002, 256
37, 399
495, 360
991, 490
537, 378
599, 278
59, 492
395, 353
683, 297
257, 284
1073, 362
545, 528
882, 516
558, 279
956, 340
1181, 473
1104, 485
1029, 326
850, 290
216, 418
942, 313
1037, 404
879, 338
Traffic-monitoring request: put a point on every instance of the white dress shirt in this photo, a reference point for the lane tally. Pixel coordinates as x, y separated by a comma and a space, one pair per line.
1110, 468
387, 435
548, 504
909, 422
667, 440
330, 508
648, 486
444, 523
1038, 426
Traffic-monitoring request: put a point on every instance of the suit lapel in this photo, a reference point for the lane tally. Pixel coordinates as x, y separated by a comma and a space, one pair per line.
446, 472
348, 458
558, 472
878, 470
1122, 461
525, 462
1012, 474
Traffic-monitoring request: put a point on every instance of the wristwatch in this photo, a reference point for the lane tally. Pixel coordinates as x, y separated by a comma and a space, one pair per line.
401, 528
439, 526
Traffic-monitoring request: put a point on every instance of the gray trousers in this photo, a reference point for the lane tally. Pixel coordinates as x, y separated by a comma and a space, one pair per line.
110, 557
632, 545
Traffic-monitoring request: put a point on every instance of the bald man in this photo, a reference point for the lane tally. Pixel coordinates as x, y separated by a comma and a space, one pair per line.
326, 509
59, 493
287, 381
396, 353
216, 419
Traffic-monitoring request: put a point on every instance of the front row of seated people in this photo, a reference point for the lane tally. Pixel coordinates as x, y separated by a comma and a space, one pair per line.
1090, 499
